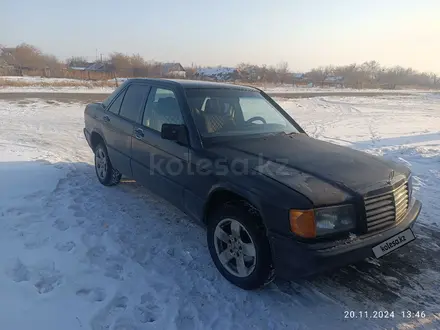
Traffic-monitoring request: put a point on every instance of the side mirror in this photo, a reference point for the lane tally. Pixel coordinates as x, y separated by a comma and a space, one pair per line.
175, 132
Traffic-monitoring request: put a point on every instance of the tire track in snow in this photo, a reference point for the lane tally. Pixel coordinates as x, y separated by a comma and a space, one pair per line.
127, 226
390, 283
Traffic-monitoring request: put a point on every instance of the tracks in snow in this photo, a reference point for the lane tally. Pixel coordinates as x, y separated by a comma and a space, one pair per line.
134, 262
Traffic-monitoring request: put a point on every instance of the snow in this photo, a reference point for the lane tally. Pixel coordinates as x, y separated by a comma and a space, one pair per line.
52, 85
107, 90
299, 89
215, 71
35, 79
11, 84
402, 128
78, 255
56, 89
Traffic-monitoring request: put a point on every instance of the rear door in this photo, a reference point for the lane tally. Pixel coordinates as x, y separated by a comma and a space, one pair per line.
160, 164
118, 125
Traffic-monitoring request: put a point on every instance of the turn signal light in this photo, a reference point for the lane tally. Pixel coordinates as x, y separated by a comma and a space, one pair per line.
302, 223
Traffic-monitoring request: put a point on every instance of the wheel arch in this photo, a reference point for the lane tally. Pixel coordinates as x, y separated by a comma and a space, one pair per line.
95, 139
228, 193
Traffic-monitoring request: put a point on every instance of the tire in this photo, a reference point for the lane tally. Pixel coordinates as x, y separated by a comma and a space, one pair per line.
107, 175
259, 269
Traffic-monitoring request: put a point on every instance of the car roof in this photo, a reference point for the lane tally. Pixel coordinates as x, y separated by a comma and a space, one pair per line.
193, 84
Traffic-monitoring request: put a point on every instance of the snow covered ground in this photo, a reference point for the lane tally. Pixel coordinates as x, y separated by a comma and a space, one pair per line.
293, 89
66, 85
57, 89
16, 84
77, 255
80, 88
36, 79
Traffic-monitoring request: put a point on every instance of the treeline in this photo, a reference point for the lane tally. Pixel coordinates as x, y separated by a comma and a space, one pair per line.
372, 74
366, 75
123, 65
24, 57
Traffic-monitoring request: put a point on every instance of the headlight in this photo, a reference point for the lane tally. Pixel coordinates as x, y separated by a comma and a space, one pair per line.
322, 221
410, 186
334, 219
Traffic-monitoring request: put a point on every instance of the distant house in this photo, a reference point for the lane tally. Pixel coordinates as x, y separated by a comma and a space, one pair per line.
172, 70
217, 74
300, 79
93, 66
90, 71
334, 81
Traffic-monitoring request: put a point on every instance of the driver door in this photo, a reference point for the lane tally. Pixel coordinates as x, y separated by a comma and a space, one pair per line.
160, 164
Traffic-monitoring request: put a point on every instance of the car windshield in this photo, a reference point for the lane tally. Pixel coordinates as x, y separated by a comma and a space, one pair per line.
234, 112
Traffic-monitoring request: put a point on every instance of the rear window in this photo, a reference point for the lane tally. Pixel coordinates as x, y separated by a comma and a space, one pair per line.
109, 99
132, 103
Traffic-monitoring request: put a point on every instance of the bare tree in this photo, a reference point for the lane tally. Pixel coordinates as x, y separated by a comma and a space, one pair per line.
137, 61
372, 71
435, 79
121, 63
282, 71
77, 61
320, 74
249, 72
28, 56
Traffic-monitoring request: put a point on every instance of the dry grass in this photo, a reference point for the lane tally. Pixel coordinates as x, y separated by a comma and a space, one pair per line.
54, 83
51, 83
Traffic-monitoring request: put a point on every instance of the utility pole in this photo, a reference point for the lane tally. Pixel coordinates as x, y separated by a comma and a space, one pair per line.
101, 57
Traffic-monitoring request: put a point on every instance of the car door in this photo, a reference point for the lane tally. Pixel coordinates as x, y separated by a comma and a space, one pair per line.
118, 124
158, 163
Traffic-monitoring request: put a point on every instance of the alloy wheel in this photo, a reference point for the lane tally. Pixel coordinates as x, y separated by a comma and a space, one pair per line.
235, 248
101, 163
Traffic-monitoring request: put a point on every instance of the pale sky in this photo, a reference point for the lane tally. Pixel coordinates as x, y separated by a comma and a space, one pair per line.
304, 33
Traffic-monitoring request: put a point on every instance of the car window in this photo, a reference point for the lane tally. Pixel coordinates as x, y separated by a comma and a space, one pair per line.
162, 108
252, 107
116, 105
162, 93
110, 98
227, 112
132, 103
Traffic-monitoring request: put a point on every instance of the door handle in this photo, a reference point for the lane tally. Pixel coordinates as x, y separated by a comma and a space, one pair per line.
138, 133
106, 118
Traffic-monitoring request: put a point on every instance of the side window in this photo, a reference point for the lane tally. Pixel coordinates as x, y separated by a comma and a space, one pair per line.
162, 108
116, 105
131, 106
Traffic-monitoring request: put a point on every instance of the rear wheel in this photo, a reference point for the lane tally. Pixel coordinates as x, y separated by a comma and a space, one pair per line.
239, 247
105, 172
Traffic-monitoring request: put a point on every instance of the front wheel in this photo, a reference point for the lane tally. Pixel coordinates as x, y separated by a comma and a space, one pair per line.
105, 172
239, 247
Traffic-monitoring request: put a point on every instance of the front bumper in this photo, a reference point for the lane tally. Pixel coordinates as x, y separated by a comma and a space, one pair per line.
294, 259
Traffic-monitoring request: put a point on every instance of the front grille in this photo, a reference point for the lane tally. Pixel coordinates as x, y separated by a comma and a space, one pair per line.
386, 209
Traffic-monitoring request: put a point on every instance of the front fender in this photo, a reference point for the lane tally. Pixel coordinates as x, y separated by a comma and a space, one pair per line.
272, 200
245, 193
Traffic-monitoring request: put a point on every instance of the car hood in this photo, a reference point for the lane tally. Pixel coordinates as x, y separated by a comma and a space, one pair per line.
324, 172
